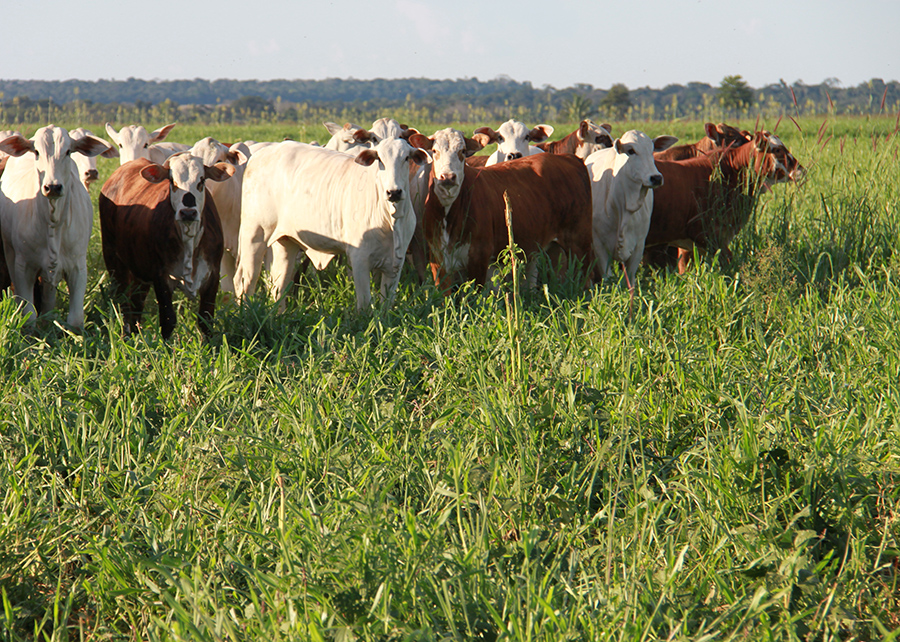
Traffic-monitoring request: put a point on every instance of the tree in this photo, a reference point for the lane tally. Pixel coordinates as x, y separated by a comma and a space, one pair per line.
617, 101
579, 108
734, 93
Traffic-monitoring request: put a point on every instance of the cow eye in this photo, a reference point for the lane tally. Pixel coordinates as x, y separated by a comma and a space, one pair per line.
201, 184
146, 145
630, 151
500, 139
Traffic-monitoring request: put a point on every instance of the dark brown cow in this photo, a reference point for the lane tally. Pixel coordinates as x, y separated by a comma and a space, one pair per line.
705, 201
717, 136
465, 226
159, 229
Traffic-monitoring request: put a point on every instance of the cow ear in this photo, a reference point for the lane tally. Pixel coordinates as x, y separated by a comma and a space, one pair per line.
584, 129
92, 146
238, 153
362, 135
408, 132
112, 132
481, 138
219, 172
761, 140
473, 145
661, 143
486, 136
161, 133
367, 157
16, 145
618, 146
420, 157
421, 141
607, 127
111, 152
154, 173
333, 128
540, 133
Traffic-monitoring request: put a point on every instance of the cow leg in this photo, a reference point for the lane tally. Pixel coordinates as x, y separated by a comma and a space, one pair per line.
47, 293
250, 257
284, 256
76, 280
416, 251
163, 291
227, 272
135, 295
207, 311
359, 266
23, 280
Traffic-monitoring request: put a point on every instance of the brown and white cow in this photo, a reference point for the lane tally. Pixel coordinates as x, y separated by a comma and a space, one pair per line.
705, 201
717, 136
584, 141
160, 230
465, 226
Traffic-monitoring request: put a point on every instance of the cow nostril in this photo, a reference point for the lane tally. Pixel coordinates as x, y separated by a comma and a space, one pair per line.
53, 191
188, 215
656, 180
394, 195
513, 156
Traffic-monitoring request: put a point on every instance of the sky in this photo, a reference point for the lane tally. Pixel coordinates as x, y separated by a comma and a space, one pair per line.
639, 43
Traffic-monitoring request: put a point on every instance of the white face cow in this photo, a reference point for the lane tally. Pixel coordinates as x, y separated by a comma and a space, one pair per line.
393, 157
514, 140
449, 150
592, 137
134, 141
187, 176
87, 165
634, 160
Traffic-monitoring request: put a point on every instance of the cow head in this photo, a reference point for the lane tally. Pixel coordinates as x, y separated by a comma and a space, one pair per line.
513, 138
449, 150
592, 137
187, 176
87, 165
53, 149
393, 157
722, 135
634, 161
342, 138
133, 141
779, 165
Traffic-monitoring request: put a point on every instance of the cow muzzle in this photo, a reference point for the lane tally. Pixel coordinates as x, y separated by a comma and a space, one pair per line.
188, 215
91, 176
394, 195
656, 180
53, 190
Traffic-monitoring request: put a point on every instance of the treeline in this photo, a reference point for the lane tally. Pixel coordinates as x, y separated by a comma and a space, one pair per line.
424, 100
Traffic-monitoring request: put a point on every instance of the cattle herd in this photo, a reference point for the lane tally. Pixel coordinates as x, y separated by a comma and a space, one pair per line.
212, 215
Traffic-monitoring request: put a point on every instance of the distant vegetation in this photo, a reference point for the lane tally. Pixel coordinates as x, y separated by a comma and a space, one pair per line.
421, 99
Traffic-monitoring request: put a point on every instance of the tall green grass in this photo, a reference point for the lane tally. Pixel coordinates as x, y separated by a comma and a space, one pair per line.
499, 466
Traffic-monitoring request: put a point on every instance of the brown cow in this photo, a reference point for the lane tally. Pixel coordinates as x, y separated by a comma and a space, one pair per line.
584, 141
705, 201
465, 227
717, 136
159, 229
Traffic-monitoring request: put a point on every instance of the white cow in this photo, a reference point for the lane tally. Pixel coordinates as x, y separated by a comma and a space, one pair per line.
87, 165
134, 142
622, 182
512, 140
299, 197
342, 138
46, 217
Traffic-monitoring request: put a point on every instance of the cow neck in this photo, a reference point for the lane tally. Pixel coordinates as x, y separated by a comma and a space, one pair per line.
567, 145
744, 164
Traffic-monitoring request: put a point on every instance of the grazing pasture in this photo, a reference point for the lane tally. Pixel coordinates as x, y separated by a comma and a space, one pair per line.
490, 466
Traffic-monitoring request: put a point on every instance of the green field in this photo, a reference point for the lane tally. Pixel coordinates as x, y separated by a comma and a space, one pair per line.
507, 466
